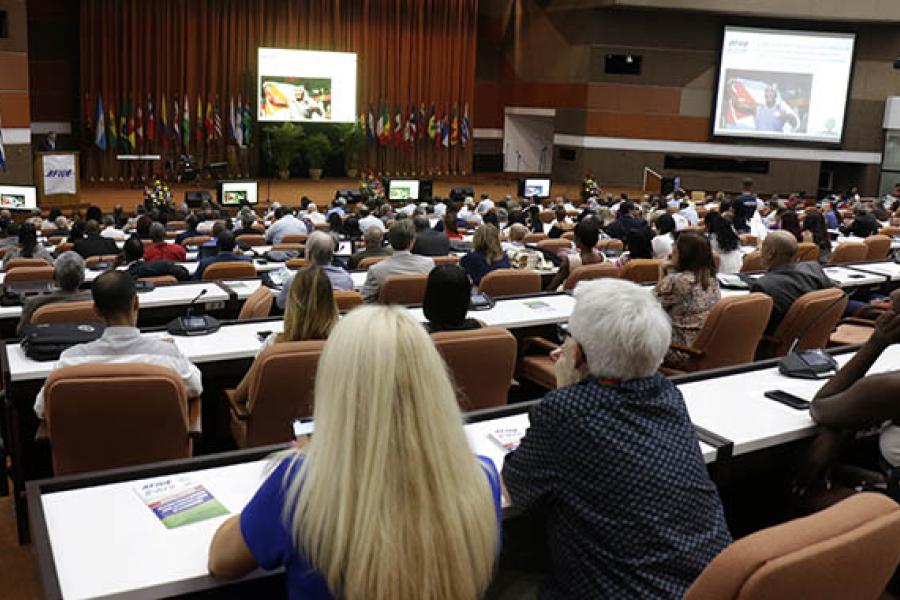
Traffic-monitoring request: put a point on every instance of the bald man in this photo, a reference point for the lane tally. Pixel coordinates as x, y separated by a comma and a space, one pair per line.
786, 280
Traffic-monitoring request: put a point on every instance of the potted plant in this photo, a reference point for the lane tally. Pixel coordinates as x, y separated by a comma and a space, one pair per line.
316, 148
286, 143
354, 141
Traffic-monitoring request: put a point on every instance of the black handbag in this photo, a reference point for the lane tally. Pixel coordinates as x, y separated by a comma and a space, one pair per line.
48, 340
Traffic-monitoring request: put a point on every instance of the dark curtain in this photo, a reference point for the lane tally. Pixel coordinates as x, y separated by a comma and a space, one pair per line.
410, 53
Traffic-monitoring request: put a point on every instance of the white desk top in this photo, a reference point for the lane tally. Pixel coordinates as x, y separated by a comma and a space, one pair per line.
522, 312
888, 269
847, 277
359, 279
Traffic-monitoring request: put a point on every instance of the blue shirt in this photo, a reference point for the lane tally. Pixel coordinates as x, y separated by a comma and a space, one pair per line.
616, 468
477, 266
270, 541
220, 257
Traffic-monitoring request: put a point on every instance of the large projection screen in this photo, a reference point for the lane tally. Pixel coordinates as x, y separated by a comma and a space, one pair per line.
306, 85
783, 85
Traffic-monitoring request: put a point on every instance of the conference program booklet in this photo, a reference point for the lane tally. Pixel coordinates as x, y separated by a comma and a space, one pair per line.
507, 438
179, 501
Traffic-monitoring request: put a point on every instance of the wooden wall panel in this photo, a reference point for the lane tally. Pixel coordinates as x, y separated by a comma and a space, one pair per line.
634, 98
647, 126
13, 71
15, 109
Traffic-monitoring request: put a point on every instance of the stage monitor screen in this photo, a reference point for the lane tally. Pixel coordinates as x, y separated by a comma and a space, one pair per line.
306, 85
535, 187
18, 197
403, 189
783, 85
236, 193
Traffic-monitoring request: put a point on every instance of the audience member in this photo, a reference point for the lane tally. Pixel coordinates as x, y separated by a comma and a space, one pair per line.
586, 235
486, 254
626, 219
744, 207
190, 223
27, 246
864, 223
560, 224
320, 253
790, 222
110, 231
68, 275
428, 241
138, 268
285, 224
786, 280
638, 244
520, 255
365, 483
664, 240
724, 241
310, 313
368, 220
247, 220
374, 240
116, 302
598, 507
162, 250
688, 292
447, 298
815, 230
401, 236
226, 253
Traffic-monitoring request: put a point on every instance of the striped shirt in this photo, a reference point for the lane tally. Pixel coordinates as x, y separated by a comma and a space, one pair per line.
126, 345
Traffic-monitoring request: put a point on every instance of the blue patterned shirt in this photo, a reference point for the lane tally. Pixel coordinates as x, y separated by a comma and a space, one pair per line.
617, 470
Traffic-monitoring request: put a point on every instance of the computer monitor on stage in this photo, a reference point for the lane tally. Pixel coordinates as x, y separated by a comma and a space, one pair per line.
236, 193
18, 197
531, 187
403, 189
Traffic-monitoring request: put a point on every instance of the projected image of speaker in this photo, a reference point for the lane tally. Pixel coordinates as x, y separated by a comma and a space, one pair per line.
306, 85
530, 187
237, 193
459, 194
196, 198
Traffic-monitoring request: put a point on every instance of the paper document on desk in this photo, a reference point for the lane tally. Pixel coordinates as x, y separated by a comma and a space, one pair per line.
507, 438
178, 501
538, 305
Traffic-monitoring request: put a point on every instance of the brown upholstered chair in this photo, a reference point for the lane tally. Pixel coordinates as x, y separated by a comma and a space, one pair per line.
731, 333
286, 246
806, 251
171, 235
81, 311
18, 263
849, 252
481, 364
258, 305
403, 289
160, 280
148, 243
258, 227
554, 246
510, 282
60, 248
281, 389
849, 550
641, 270
586, 272
347, 299
611, 244
753, 262
248, 239
568, 235
295, 263
196, 240
56, 240
889, 231
294, 238
812, 317
445, 260
368, 261
229, 270
176, 226
852, 332
537, 367
91, 426
879, 246
534, 237
749, 240
93, 260
20, 274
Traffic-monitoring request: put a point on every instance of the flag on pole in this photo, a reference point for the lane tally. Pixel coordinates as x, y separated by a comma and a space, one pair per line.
238, 122
131, 137
423, 125
186, 125
113, 132
454, 127
445, 132
210, 120
176, 127
398, 127
151, 121
384, 125
464, 130
123, 126
2, 150
438, 129
198, 133
409, 136
231, 134
164, 124
432, 124
370, 130
247, 123
139, 127
217, 121
100, 133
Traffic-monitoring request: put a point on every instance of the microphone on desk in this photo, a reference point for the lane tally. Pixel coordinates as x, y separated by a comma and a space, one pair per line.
809, 364
191, 325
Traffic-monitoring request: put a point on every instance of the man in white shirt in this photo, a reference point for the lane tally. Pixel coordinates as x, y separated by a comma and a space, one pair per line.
285, 224
402, 237
313, 214
468, 213
110, 231
368, 220
485, 206
409, 210
440, 209
116, 302
688, 212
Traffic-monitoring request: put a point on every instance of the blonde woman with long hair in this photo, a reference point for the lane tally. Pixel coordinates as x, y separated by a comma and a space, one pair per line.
309, 314
386, 501
486, 255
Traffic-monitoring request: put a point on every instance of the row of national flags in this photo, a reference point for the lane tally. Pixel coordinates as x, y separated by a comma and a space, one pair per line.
132, 126
440, 127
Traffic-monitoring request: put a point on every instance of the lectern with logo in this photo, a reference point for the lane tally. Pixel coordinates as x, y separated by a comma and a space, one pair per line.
57, 177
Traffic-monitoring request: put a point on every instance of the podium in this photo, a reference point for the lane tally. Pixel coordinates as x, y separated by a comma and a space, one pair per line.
57, 177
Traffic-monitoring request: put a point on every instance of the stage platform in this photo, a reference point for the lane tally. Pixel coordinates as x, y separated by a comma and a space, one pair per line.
289, 192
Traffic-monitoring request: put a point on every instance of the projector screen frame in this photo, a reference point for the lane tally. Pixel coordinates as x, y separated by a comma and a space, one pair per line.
220, 192
778, 27
31, 190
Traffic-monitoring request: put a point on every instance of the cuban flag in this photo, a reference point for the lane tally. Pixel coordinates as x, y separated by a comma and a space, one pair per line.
2, 151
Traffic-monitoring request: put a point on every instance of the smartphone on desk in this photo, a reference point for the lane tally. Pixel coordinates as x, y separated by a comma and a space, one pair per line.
302, 427
787, 399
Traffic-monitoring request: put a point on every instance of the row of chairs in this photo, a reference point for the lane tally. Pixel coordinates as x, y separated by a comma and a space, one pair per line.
876, 247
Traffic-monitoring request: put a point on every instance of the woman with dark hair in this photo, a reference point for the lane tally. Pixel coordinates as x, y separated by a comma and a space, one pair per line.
587, 232
688, 291
664, 240
76, 232
447, 297
451, 227
93, 214
790, 222
535, 225
724, 240
27, 247
815, 230
638, 244
561, 223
